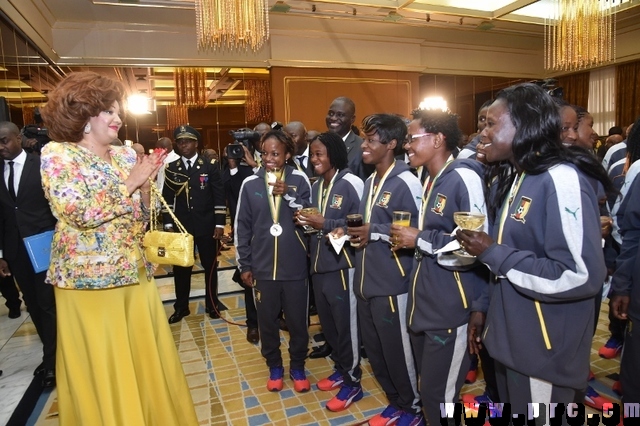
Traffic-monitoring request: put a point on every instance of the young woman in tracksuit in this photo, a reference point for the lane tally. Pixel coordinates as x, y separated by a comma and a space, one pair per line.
443, 286
545, 251
336, 194
272, 255
382, 276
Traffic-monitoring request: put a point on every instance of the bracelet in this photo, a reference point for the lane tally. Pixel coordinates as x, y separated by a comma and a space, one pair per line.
145, 192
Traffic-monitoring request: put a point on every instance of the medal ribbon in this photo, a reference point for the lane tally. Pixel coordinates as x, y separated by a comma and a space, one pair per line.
517, 182
427, 188
373, 195
274, 200
323, 199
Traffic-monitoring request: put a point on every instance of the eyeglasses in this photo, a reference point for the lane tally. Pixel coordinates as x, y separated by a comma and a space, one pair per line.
185, 141
410, 138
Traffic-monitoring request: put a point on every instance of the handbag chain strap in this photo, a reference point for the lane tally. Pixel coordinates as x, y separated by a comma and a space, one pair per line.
155, 196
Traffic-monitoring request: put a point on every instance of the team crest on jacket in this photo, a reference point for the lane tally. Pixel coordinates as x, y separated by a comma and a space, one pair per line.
522, 210
439, 203
336, 202
384, 199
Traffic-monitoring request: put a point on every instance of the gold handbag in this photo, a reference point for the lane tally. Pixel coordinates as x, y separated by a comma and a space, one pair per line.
166, 248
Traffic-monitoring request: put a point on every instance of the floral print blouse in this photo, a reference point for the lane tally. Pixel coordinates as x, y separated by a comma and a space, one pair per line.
98, 238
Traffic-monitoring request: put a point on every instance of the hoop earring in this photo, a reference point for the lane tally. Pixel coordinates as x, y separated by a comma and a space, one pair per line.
87, 128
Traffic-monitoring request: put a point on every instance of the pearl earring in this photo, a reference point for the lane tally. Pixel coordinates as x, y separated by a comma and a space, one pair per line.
87, 128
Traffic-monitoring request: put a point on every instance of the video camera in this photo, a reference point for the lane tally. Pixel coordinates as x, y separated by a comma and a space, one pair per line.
40, 134
550, 85
241, 138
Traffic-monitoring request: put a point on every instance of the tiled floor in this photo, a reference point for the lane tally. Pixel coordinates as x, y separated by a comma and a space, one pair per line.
226, 374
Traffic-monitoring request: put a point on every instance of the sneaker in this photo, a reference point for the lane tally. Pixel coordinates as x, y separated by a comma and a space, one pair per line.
387, 418
617, 388
300, 381
275, 379
472, 374
611, 349
330, 383
345, 397
594, 400
411, 419
469, 398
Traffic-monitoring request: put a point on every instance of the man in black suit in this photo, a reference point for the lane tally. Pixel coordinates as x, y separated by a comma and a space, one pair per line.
24, 211
298, 133
194, 187
340, 118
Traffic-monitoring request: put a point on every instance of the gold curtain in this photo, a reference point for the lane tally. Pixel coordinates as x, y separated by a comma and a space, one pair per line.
191, 87
27, 115
177, 115
627, 93
576, 88
258, 101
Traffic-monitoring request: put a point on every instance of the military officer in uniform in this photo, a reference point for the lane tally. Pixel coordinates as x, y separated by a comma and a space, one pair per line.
194, 186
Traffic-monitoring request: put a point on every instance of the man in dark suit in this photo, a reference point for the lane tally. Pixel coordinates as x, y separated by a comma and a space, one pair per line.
298, 133
340, 118
24, 211
194, 187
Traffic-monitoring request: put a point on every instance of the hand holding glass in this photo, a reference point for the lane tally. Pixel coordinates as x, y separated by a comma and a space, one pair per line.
354, 221
400, 218
471, 221
309, 211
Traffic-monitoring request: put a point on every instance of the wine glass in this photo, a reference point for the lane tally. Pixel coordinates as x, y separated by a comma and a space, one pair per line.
309, 211
471, 221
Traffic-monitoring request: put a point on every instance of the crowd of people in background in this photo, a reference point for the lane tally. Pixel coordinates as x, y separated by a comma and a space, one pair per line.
314, 220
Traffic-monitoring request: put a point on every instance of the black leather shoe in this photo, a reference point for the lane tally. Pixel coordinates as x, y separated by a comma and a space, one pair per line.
321, 351
39, 370
253, 336
178, 315
14, 313
214, 314
49, 378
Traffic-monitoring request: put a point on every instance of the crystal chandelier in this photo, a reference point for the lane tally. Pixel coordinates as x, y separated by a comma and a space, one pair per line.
232, 24
580, 34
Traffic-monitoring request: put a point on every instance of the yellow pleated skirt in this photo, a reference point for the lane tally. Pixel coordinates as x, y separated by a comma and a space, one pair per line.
116, 361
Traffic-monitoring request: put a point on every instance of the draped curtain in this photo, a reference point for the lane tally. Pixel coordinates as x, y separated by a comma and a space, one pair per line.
602, 96
576, 88
628, 90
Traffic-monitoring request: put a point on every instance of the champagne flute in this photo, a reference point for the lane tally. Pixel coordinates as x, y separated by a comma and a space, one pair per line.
471, 221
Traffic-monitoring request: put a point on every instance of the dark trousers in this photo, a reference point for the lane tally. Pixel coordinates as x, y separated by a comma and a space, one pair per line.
443, 362
292, 297
520, 390
10, 292
250, 308
40, 301
208, 252
383, 326
489, 374
630, 365
337, 309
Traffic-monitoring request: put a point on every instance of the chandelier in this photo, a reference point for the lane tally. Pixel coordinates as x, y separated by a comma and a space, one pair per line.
232, 24
580, 34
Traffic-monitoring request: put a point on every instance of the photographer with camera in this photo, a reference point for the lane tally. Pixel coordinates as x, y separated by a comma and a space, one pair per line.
242, 164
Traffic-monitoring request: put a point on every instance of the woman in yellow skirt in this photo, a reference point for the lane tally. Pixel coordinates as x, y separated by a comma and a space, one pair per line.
117, 363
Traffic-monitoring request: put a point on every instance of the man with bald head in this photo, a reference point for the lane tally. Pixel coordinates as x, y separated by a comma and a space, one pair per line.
167, 145
298, 133
340, 118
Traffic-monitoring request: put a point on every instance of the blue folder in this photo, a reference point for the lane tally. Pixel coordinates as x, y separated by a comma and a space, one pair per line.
39, 248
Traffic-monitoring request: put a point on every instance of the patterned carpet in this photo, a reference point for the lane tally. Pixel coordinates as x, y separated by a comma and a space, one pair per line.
227, 377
